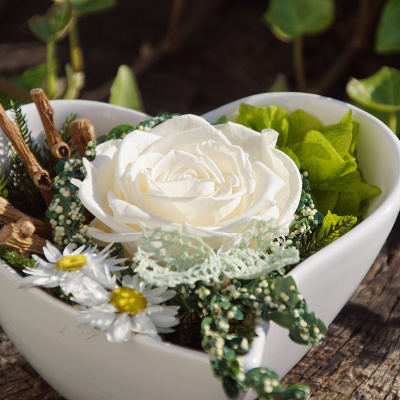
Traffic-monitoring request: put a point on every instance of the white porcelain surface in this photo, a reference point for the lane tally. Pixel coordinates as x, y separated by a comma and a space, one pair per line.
80, 364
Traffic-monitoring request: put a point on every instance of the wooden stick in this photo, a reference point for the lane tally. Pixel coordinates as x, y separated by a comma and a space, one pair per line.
20, 236
39, 176
9, 214
82, 132
58, 148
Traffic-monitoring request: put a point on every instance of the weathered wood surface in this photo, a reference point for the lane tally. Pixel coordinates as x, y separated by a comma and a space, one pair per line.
360, 356
358, 360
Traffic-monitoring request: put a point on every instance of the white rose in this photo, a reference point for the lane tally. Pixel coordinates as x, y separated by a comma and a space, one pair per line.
208, 181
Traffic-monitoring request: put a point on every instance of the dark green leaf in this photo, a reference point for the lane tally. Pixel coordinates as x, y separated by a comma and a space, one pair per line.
118, 132
283, 319
206, 321
296, 391
230, 387
388, 32
221, 120
290, 19
295, 337
31, 78
55, 23
91, 6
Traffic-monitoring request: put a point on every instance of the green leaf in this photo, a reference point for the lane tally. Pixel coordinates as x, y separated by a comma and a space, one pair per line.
230, 387
125, 91
289, 152
325, 152
341, 135
221, 120
118, 132
256, 376
55, 23
89, 6
350, 202
280, 84
381, 91
290, 19
297, 391
323, 163
76, 81
206, 321
259, 118
324, 200
31, 78
388, 32
300, 123
283, 319
354, 138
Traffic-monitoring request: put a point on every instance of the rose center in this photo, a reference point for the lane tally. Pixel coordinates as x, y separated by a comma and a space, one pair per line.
71, 263
127, 300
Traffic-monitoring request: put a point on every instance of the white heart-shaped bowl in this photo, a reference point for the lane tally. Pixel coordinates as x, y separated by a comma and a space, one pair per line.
82, 364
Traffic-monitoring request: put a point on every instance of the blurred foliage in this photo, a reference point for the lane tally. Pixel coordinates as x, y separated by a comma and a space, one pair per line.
58, 22
125, 91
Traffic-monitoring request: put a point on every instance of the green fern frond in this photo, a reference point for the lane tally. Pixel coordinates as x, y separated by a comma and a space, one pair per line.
20, 121
22, 124
16, 259
335, 231
331, 230
3, 184
64, 131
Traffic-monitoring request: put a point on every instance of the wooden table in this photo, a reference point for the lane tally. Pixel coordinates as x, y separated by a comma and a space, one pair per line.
358, 360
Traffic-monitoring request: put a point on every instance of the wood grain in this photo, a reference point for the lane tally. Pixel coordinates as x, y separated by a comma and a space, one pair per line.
358, 360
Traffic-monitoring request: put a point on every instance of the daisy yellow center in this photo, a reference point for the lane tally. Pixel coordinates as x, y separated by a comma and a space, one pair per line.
71, 263
127, 300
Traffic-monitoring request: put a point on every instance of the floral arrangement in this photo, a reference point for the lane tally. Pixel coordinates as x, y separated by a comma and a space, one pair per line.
183, 230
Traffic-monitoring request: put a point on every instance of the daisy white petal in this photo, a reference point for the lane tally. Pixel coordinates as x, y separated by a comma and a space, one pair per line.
81, 273
121, 329
51, 252
137, 308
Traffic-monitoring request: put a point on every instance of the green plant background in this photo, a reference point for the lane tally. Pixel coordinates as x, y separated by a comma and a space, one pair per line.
192, 56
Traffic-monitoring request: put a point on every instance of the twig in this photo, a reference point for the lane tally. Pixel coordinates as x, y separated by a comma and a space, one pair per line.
82, 132
9, 214
298, 64
365, 16
176, 12
39, 176
20, 236
58, 148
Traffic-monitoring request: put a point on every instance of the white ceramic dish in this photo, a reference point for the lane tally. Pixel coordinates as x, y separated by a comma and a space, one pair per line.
81, 364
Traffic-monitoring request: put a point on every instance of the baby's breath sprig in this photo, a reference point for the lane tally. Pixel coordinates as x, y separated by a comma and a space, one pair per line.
306, 217
230, 312
65, 212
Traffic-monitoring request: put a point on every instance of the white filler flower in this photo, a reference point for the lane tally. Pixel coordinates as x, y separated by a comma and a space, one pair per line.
133, 307
81, 273
211, 182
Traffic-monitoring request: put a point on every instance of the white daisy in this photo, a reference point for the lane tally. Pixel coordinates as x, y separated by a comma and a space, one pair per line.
133, 307
81, 273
